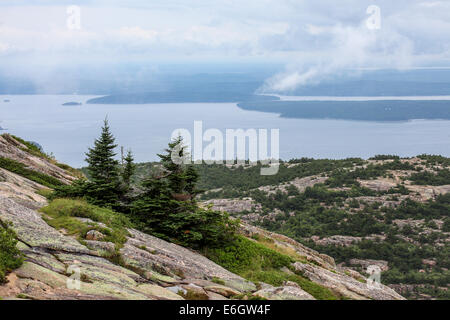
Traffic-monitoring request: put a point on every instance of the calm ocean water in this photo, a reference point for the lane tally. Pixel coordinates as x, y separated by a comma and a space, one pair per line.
67, 131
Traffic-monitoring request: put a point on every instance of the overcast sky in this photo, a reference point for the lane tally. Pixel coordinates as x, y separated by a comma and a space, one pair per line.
312, 38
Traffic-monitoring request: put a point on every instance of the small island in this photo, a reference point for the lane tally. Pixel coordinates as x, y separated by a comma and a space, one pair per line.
72, 103
6, 100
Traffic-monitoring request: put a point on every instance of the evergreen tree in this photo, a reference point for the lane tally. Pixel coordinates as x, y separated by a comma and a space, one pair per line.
167, 207
128, 170
191, 178
103, 170
173, 165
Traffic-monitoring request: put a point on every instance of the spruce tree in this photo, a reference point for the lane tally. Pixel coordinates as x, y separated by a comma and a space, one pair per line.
173, 164
128, 169
167, 206
103, 169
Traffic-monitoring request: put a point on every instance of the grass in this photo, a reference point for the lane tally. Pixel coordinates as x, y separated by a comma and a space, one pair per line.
30, 147
47, 193
258, 263
21, 170
269, 243
218, 281
243, 256
10, 257
62, 214
75, 172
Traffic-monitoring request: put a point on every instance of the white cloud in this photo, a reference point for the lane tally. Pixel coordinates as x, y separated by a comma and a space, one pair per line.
344, 48
315, 39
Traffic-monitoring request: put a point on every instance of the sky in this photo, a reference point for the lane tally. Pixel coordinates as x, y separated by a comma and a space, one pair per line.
312, 40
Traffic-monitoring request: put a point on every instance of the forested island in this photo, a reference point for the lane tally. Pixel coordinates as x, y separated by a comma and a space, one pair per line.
355, 110
180, 97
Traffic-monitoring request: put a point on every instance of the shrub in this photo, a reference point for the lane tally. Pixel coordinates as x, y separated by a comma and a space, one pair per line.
20, 169
442, 177
384, 157
244, 256
31, 147
183, 222
10, 257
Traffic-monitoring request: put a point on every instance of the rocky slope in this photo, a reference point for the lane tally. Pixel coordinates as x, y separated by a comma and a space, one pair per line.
387, 212
145, 267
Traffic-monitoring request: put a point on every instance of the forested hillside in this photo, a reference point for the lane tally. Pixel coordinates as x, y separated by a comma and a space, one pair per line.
385, 211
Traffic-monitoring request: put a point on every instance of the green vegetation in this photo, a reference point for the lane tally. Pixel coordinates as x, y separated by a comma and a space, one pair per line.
75, 172
218, 281
34, 149
167, 207
442, 177
237, 180
244, 256
128, 170
31, 147
104, 187
433, 209
164, 204
10, 257
347, 178
435, 160
62, 214
404, 258
20, 169
240, 178
47, 193
312, 219
258, 263
385, 157
396, 226
161, 199
108, 184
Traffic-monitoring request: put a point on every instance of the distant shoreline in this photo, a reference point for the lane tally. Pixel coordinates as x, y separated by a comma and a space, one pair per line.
374, 110
361, 98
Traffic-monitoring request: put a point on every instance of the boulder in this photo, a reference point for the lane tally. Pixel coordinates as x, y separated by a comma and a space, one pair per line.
101, 247
215, 296
94, 235
345, 285
288, 292
222, 290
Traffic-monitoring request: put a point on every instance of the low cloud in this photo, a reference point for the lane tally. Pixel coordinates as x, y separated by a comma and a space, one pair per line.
316, 40
344, 49
410, 36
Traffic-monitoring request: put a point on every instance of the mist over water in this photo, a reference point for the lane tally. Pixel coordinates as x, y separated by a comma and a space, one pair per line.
67, 131
383, 98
